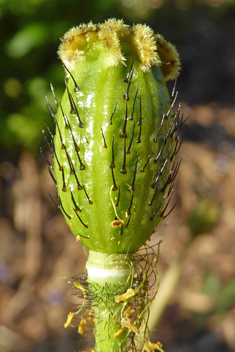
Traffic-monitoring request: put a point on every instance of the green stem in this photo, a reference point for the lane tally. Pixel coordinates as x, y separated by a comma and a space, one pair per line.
108, 277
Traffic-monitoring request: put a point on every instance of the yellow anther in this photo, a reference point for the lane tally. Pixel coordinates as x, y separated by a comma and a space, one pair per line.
119, 332
79, 286
81, 326
117, 223
151, 347
69, 319
126, 322
91, 321
129, 311
128, 294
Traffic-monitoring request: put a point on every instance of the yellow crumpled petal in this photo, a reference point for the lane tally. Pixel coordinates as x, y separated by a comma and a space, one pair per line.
129, 293
69, 319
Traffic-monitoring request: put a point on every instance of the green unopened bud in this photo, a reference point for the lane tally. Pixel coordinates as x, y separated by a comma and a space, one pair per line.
116, 135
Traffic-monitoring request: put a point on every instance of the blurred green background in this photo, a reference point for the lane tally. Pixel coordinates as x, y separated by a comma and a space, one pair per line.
36, 246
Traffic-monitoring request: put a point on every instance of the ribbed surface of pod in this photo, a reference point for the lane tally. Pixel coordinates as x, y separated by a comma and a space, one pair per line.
115, 144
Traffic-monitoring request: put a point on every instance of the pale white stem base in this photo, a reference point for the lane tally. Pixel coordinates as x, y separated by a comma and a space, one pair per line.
105, 268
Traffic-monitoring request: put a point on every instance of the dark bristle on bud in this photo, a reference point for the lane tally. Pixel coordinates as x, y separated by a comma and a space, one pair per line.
81, 125
64, 188
50, 110
88, 198
155, 183
144, 167
62, 207
79, 186
118, 197
126, 95
76, 208
52, 176
112, 166
150, 203
175, 170
45, 158
60, 136
133, 191
53, 200
54, 96
172, 105
159, 129
156, 212
71, 100
161, 150
133, 107
129, 72
105, 145
159, 173
49, 145
176, 148
131, 202
76, 88
87, 237
72, 171
172, 175
123, 134
73, 108
170, 193
82, 166
111, 118
57, 160
76, 147
173, 89
121, 231
140, 123
123, 170
128, 222
114, 187
83, 224
135, 171
66, 121
132, 136
50, 133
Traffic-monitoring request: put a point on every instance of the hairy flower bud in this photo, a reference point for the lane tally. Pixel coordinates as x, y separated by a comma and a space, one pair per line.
116, 134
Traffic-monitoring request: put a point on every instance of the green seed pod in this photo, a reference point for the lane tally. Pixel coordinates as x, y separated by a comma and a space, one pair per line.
116, 134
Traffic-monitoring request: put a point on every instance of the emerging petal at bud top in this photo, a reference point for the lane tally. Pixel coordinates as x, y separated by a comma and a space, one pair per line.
108, 34
89, 40
145, 46
170, 62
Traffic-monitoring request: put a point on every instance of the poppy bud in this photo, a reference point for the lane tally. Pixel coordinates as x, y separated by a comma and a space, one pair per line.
116, 134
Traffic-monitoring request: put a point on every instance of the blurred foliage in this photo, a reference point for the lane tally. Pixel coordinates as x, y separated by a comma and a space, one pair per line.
204, 216
222, 294
203, 32
227, 298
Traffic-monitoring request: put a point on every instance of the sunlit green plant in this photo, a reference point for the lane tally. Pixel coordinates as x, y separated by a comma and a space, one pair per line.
114, 149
